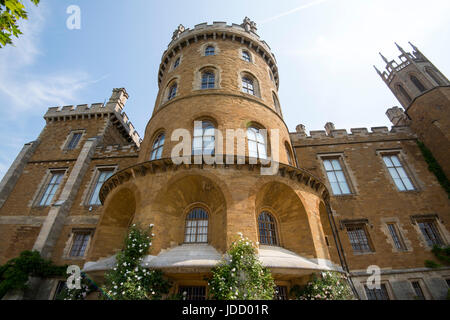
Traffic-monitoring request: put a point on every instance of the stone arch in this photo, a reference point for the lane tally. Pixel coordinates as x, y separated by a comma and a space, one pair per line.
119, 211
290, 213
168, 208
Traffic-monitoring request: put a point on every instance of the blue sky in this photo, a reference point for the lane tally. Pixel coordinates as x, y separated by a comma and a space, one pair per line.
325, 50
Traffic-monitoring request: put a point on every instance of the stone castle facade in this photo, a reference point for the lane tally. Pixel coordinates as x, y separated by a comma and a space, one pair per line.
337, 201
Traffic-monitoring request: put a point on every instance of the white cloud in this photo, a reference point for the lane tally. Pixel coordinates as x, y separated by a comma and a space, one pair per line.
23, 89
26, 90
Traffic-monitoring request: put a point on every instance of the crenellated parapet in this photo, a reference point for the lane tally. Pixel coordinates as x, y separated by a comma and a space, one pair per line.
331, 136
244, 33
112, 110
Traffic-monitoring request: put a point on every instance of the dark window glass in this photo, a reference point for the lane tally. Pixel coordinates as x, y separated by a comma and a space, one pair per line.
418, 290
177, 63
80, 241
192, 293
377, 294
196, 226
398, 241
430, 233
336, 176
103, 175
281, 293
74, 140
209, 51
418, 84
51, 188
208, 80
246, 56
256, 143
404, 93
358, 238
398, 173
247, 86
157, 147
59, 288
267, 229
204, 139
172, 92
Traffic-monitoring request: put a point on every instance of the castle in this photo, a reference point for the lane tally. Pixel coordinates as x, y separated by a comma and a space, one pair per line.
337, 201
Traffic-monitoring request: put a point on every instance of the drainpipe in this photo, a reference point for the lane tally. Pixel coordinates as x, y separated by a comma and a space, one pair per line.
339, 247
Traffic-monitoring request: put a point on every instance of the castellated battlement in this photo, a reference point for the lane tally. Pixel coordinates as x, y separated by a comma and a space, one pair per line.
113, 110
359, 134
244, 33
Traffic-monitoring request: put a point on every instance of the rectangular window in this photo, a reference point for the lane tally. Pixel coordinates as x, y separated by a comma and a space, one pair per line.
51, 188
418, 290
336, 176
59, 288
395, 234
103, 175
358, 238
398, 173
74, 140
377, 294
192, 293
79, 243
281, 293
430, 232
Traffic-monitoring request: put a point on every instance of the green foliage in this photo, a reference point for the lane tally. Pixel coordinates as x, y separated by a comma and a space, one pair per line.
14, 274
10, 12
327, 286
240, 275
128, 280
431, 264
442, 253
434, 167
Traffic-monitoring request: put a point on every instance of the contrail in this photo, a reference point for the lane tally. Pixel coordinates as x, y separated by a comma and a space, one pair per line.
305, 6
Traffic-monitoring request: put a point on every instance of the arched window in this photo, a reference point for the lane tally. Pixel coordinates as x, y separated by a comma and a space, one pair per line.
208, 80
433, 75
417, 83
210, 51
204, 139
288, 153
276, 103
246, 56
256, 143
157, 147
176, 63
248, 85
403, 92
172, 92
267, 229
196, 230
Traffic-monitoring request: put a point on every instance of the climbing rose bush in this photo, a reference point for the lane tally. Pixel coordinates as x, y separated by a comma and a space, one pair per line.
129, 280
240, 275
327, 286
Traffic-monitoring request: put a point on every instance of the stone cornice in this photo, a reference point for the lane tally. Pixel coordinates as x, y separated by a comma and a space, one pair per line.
162, 165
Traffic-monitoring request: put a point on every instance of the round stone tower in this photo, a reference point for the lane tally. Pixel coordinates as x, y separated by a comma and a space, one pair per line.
217, 98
